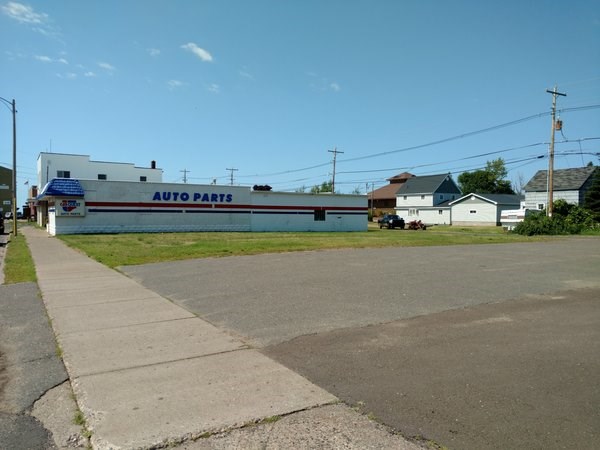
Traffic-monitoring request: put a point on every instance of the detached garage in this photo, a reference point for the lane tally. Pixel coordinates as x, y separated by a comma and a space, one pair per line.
482, 209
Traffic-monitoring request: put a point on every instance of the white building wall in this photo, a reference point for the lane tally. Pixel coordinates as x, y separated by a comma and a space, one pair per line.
342, 212
80, 167
474, 211
429, 216
121, 207
414, 201
534, 199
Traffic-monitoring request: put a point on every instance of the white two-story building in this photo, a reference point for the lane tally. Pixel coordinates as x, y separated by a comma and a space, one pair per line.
427, 198
63, 165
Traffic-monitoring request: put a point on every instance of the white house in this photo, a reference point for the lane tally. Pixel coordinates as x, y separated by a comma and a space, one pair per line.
482, 209
97, 206
570, 185
427, 198
62, 165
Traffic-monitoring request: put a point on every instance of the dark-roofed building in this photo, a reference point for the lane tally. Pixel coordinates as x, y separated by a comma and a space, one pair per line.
569, 185
383, 200
427, 198
5, 190
482, 209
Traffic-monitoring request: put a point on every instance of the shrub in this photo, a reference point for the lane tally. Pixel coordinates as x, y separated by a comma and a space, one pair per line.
567, 219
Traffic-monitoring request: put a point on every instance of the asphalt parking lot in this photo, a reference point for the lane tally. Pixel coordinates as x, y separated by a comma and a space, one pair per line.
489, 346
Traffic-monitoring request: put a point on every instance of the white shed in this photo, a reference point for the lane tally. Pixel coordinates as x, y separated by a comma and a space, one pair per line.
482, 209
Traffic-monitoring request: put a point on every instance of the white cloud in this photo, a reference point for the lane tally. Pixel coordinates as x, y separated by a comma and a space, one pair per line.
175, 84
153, 51
47, 59
106, 66
42, 58
24, 13
335, 87
214, 88
245, 74
67, 75
89, 74
38, 21
199, 52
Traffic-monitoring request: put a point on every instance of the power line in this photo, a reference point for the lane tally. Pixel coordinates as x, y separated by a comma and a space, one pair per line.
432, 143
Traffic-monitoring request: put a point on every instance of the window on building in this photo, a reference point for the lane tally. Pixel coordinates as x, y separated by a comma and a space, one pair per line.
540, 206
413, 212
63, 174
102, 176
405, 197
422, 197
440, 212
319, 215
441, 196
143, 178
473, 211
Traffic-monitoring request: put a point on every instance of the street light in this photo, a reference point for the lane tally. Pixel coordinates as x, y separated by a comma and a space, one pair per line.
13, 109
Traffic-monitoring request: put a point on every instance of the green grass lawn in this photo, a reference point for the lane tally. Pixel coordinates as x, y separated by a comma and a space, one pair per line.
140, 248
18, 265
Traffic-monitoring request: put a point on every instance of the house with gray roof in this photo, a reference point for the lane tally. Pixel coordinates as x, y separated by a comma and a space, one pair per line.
570, 185
482, 209
427, 198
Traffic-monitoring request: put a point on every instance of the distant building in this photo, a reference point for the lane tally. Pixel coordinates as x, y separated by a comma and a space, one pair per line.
384, 199
5, 189
570, 185
427, 198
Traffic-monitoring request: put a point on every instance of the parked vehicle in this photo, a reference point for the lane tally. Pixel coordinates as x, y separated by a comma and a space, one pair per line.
416, 225
391, 221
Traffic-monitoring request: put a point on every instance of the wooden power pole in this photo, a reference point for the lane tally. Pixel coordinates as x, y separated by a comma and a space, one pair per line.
335, 151
549, 206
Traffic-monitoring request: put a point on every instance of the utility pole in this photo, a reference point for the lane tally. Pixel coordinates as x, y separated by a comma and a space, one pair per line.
185, 172
231, 170
372, 199
549, 206
335, 151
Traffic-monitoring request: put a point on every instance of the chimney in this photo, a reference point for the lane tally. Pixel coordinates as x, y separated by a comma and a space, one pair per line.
153, 164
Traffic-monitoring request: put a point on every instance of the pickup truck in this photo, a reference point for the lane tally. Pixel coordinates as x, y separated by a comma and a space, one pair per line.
391, 221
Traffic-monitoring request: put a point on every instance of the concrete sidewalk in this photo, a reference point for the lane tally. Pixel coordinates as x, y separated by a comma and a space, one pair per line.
147, 373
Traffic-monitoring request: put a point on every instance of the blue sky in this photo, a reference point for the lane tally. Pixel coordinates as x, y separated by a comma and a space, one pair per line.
268, 87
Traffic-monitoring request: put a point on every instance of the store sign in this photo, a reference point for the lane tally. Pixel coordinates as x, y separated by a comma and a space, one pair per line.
70, 207
196, 197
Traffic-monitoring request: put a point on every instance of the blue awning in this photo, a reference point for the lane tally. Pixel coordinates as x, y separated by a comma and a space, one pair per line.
61, 187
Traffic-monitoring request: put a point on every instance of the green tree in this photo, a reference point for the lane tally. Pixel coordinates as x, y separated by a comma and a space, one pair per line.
326, 186
490, 180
